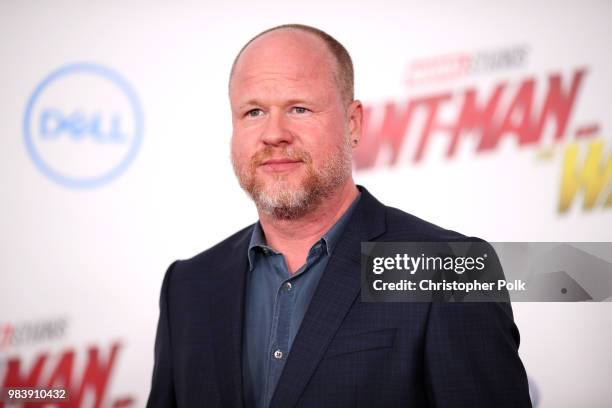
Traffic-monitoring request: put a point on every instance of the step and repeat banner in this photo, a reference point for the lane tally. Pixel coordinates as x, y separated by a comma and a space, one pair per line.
488, 118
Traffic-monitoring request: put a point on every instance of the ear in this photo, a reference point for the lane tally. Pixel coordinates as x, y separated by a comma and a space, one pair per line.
355, 118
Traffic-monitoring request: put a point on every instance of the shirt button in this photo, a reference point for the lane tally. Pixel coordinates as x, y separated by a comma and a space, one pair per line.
287, 286
266, 251
278, 354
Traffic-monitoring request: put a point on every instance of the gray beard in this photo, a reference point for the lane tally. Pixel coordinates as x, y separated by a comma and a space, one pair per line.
281, 201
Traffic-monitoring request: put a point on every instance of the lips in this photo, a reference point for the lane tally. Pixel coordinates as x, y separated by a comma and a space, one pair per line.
279, 161
282, 164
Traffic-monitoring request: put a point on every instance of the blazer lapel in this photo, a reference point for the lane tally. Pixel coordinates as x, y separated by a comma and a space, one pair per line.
336, 292
226, 315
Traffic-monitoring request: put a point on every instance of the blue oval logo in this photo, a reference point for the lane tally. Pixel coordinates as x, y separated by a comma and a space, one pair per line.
83, 125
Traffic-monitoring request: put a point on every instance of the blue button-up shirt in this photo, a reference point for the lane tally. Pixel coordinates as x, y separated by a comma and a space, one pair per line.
275, 304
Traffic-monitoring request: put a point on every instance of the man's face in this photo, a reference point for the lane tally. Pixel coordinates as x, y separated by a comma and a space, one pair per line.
290, 142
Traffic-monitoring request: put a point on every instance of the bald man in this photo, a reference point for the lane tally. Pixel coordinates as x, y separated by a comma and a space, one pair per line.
271, 316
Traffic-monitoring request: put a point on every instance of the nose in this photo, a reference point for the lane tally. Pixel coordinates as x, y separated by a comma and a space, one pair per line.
276, 131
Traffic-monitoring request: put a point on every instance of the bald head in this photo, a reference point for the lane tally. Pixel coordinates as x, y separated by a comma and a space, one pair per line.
295, 41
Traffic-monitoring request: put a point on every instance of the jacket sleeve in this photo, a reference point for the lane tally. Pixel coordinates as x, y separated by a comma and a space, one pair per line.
162, 384
471, 357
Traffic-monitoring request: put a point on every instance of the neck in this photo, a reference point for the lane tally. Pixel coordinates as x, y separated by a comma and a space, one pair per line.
294, 238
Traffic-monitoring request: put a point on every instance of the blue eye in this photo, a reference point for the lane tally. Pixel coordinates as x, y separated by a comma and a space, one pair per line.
253, 113
300, 110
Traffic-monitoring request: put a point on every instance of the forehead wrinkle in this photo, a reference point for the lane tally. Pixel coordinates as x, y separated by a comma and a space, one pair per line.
289, 68
269, 84
277, 81
279, 86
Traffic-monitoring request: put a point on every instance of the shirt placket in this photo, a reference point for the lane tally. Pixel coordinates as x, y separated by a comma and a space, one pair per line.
279, 339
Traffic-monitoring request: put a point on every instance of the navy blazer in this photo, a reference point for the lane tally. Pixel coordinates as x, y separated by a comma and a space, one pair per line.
347, 353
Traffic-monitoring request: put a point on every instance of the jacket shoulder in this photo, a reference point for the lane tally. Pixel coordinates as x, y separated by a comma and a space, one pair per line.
404, 226
215, 254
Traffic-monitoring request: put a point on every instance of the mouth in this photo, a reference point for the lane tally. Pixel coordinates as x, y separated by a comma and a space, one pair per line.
279, 165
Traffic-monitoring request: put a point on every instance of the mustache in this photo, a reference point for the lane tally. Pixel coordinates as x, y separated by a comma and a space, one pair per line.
269, 153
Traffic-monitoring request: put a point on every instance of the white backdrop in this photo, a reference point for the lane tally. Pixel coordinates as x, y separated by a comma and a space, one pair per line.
114, 158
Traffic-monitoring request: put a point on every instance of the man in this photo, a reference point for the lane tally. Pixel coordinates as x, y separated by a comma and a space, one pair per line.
272, 316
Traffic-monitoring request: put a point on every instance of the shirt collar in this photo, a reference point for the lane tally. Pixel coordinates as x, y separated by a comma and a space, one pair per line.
332, 236
258, 240
329, 240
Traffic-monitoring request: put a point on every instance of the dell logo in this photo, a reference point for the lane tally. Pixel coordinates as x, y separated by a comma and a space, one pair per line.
83, 125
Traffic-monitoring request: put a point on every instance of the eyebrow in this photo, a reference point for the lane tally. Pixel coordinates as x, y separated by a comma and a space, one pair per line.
250, 102
255, 102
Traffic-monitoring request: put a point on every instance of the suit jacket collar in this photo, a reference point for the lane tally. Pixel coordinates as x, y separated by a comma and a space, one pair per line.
336, 292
